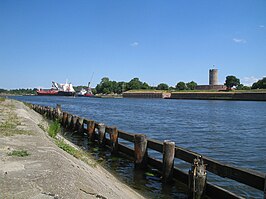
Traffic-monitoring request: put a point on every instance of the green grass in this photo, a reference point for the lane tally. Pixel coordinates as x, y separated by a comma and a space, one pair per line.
69, 149
2, 99
19, 153
54, 128
9, 126
75, 152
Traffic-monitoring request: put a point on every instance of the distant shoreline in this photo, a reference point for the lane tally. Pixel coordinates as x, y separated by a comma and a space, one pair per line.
238, 96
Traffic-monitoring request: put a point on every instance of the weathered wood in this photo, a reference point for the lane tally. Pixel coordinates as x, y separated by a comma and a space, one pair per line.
59, 113
54, 114
216, 192
108, 129
80, 125
212, 191
64, 119
157, 164
168, 160
126, 136
101, 132
126, 150
197, 178
114, 139
249, 177
155, 145
69, 119
73, 125
58, 108
90, 129
51, 109
141, 152
265, 187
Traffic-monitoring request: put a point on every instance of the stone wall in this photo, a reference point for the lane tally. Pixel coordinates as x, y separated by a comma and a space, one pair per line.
211, 87
219, 96
146, 95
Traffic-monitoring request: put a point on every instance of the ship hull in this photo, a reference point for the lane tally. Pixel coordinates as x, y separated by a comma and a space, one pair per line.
47, 92
86, 95
54, 93
64, 93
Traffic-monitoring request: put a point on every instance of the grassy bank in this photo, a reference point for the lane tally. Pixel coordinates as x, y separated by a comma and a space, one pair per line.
53, 130
10, 124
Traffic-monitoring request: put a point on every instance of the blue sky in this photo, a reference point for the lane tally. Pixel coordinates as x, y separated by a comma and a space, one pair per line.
157, 41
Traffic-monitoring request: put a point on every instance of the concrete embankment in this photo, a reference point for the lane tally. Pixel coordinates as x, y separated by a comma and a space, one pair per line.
32, 166
146, 95
255, 96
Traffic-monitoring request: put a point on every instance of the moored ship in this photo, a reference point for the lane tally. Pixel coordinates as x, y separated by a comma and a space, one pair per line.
86, 92
58, 90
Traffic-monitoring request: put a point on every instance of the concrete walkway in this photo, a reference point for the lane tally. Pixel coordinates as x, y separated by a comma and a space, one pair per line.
48, 172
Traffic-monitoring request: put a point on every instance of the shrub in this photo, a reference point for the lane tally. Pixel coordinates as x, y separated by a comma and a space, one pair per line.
54, 128
19, 153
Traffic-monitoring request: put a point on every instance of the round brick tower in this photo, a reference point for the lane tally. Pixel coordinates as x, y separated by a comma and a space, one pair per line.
213, 77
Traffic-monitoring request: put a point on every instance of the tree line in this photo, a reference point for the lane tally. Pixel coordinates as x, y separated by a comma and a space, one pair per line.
20, 91
231, 81
106, 86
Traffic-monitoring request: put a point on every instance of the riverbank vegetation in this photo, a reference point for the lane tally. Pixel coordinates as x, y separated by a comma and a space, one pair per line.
19, 153
20, 91
54, 129
10, 124
107, 86
260, 84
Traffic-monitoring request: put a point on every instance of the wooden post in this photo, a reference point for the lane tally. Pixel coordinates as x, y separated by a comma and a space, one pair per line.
265, 187
101, 131
168, 160
69, 119
114, 139
197, 178
80, 125
140, 149
50, 112
58, 110
46, 111
64, 119
74, 123
54, 114
91, 130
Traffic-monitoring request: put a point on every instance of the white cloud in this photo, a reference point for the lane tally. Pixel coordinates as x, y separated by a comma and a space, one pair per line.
262, 26
248, 81
238, 40
134, 44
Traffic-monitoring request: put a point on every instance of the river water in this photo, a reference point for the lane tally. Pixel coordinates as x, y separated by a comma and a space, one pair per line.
233, 132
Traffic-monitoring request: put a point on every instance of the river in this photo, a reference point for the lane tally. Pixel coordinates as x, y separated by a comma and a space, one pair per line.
233, 132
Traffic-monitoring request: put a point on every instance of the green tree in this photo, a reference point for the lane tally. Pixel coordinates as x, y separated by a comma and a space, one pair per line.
135, 84
261, 84
181, 86
242, 87
191, 85
106, 86
231, 81
162, 86
145, 86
